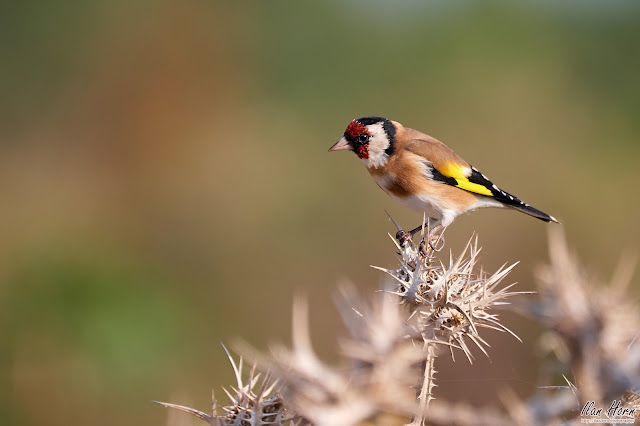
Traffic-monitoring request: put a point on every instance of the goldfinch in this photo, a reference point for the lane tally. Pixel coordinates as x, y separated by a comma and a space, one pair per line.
423, 173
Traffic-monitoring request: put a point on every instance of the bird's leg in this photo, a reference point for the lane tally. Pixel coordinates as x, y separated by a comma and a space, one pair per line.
426, 225
433, 237
418, 228
404, 236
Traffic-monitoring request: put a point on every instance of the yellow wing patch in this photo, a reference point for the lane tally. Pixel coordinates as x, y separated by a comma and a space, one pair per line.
453, 170
473, 187
457, 171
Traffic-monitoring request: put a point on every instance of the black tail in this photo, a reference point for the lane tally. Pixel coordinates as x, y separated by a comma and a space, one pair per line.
506, 198
524, 208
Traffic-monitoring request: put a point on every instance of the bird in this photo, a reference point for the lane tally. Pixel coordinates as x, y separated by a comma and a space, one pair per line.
423, 173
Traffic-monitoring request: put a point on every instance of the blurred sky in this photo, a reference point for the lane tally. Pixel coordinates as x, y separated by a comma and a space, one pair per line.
166, 185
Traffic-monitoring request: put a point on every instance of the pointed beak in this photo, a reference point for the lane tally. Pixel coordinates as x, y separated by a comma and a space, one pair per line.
341, 145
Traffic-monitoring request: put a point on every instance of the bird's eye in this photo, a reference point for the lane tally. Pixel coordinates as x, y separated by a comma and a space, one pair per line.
363, 138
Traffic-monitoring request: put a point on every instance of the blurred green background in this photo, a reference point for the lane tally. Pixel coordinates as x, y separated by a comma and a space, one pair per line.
166, 185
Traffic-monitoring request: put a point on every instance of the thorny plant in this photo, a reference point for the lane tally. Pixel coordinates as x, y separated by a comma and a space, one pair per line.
389, 356
446, 305
254, 401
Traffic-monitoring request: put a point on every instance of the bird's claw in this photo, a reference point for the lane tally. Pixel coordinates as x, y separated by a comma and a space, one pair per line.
403, 237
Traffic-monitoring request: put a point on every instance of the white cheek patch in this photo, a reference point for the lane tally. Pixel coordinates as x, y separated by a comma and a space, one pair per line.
378, 143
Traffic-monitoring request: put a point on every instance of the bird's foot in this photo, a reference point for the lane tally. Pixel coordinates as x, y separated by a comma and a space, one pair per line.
403, 237
434, 237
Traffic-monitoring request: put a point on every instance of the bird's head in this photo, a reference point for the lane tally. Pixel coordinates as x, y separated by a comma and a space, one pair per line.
371, 138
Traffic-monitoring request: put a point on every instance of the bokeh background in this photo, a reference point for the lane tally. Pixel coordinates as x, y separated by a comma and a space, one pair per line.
166, 184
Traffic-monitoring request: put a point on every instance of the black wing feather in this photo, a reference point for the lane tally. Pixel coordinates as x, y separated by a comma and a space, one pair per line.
496, 193
506, 198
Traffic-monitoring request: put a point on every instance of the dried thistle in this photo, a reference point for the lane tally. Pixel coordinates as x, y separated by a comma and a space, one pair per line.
254, 401
447, 304
450, 302
377, 379
593, 329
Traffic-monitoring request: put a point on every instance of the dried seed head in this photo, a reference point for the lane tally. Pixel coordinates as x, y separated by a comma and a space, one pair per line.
450, 302
254, 401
